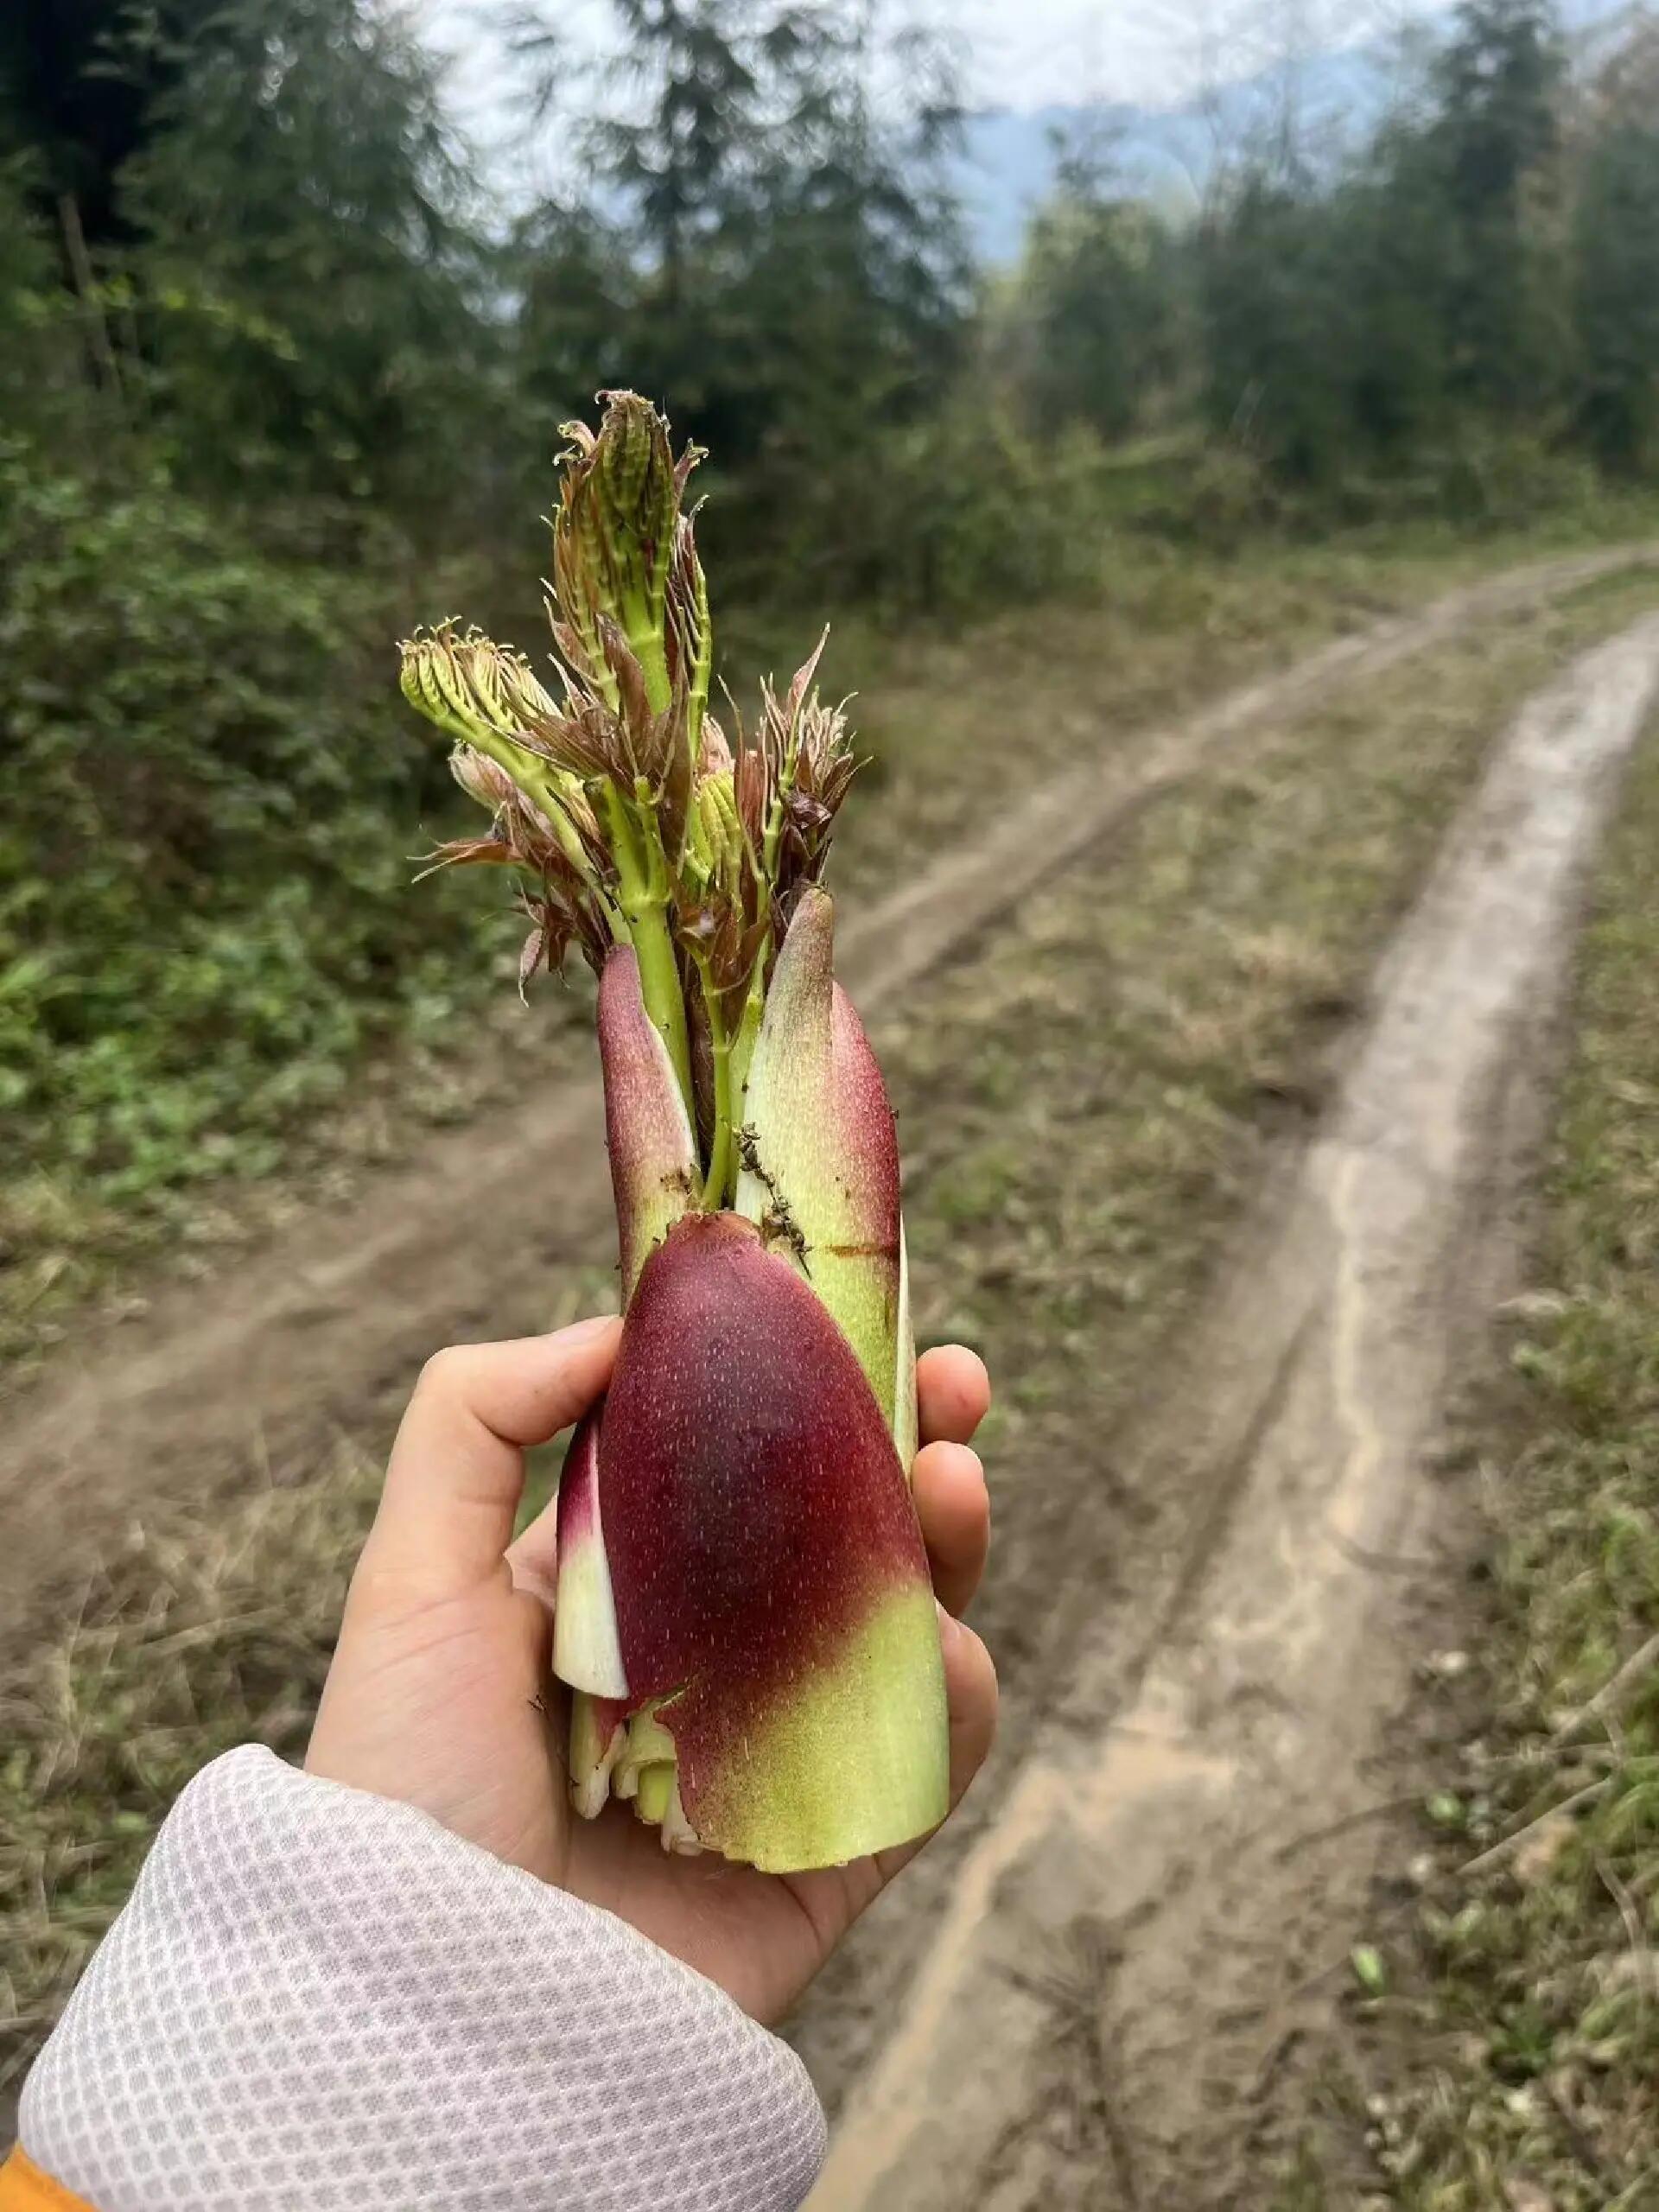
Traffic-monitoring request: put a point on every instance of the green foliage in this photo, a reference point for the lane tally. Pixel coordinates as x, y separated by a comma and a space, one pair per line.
204, 903
309, 308
1388, 262
767, 253
722, 89
1494, 477
78, 85
576, 286
955, 513
1463, 318
1095, 324
1269, 303
1617, 302
38, 383
1354, 323
1497, 134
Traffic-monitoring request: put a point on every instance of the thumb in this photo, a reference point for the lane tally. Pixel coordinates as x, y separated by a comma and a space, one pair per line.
457, 1469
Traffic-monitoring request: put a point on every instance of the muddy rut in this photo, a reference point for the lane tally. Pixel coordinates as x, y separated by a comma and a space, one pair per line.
1137, 1940
323, 1331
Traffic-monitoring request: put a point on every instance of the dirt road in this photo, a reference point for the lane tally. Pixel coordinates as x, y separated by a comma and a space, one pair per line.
1148, 1921
222, 1383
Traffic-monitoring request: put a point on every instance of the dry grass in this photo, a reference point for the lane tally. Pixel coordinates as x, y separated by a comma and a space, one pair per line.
188, 1642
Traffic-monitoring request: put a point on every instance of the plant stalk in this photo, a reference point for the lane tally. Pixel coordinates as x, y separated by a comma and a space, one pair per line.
644, 903
720, 1179
642, 626
696, 700
527, 774
749, 1029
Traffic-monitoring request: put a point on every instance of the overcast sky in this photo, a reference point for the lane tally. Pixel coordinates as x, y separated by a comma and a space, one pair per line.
1027, 53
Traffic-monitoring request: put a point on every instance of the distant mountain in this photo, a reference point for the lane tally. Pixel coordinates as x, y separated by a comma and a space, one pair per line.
1007, 164
1008, 160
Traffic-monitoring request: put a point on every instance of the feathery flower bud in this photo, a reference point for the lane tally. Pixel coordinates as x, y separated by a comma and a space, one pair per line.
614, 543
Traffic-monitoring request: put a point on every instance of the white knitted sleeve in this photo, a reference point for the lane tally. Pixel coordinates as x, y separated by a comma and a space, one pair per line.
317, 1997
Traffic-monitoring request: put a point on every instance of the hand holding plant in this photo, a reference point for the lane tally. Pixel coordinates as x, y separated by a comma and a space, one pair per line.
743, 1613
438, 1693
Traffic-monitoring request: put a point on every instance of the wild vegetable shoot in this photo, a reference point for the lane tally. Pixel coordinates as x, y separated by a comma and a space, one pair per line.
744, 1611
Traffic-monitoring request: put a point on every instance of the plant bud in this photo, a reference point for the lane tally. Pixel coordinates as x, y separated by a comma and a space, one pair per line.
613, 542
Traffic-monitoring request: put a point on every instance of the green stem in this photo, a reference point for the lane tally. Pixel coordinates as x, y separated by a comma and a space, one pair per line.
717, 1190
716, 1187
642, 625
775, 819
532, 779
749, 1029
697, 701
644, 903
770, 842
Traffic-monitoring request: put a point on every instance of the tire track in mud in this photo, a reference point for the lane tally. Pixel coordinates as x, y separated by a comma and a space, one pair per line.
321, 1331
1135, 1943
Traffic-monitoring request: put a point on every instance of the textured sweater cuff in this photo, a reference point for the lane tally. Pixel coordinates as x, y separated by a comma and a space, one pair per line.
316, 1997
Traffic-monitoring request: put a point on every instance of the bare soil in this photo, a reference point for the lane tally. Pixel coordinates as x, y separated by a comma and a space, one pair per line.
1145, 1930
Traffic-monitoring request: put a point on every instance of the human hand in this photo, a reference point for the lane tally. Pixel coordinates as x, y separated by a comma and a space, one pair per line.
441, 1694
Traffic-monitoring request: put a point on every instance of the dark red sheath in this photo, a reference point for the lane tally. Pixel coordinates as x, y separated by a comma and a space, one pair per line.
753, 1505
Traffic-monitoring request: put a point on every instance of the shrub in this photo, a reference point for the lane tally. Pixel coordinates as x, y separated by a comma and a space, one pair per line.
202, 909
947, 516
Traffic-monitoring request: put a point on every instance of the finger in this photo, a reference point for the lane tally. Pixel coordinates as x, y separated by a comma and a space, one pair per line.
971, 1701
457, 1468
953, 1394
953, 1509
